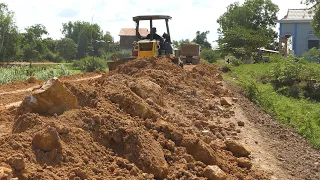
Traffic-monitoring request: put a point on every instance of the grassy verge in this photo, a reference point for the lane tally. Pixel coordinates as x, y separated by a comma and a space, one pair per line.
20, 73
299, 113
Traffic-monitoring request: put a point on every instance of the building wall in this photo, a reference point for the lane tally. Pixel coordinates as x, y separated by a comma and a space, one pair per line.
126, 42
301, 32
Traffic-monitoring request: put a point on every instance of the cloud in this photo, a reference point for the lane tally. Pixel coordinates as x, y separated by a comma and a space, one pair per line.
188, 16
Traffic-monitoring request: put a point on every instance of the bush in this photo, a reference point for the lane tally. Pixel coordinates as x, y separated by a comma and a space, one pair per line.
276, 58
89, 64
312, 55
294, 78
210, 55
52, 57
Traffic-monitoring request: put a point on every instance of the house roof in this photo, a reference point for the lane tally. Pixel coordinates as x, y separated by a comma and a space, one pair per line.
132, 32
298, 15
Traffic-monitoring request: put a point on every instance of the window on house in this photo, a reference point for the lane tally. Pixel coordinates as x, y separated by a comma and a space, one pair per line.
313, 43
311, 32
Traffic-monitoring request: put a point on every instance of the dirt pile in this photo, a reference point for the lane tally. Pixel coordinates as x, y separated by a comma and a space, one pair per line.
148, 119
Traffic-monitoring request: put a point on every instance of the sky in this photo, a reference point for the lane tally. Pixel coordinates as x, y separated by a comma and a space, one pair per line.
188, 16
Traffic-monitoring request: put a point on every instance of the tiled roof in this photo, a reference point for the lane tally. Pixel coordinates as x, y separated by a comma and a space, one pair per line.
132, 32
299, 14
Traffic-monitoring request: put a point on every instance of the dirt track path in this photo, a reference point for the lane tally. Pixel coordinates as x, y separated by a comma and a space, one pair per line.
275, 148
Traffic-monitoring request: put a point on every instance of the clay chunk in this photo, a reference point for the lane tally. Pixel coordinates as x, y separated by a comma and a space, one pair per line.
52, 98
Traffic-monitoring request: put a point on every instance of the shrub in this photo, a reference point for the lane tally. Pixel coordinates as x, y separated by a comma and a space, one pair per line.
52, 57
210, 55
294, 78
89, 64
312, 55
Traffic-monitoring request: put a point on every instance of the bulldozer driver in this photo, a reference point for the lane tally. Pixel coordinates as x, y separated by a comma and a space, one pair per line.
155, 35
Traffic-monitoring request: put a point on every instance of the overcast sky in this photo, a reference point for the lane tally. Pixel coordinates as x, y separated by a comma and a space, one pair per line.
188, 16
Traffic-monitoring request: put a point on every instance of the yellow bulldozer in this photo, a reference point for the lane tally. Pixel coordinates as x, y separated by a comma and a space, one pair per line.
152, 45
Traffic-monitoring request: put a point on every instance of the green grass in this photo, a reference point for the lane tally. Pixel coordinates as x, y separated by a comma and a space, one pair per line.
301, 114
20, 73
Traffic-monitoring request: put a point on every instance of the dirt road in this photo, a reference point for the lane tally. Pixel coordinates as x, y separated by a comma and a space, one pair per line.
149, 119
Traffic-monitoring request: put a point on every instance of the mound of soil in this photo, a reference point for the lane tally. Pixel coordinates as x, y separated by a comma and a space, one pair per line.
148, 119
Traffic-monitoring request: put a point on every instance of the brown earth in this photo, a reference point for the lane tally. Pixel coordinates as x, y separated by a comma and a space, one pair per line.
16, 91
149, 119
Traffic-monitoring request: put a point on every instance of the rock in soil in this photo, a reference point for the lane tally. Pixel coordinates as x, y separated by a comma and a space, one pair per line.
240, 123
5, 173
52, 98
237, 149
17, 162
224, 101
214, 173
47, 140
244, 163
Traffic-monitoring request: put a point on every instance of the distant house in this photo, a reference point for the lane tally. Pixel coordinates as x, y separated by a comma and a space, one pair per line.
296, 32
128, 36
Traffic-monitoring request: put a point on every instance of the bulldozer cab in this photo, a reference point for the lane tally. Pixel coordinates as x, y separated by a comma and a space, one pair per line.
153, 44
151, 18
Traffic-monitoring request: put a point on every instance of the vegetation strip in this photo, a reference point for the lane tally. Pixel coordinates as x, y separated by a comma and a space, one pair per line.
283, 88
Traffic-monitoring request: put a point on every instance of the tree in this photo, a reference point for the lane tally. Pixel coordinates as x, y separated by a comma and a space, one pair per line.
32, 44
201, 39
85, 35
9, 36
246, 27
50, 44
177, 44
67, 48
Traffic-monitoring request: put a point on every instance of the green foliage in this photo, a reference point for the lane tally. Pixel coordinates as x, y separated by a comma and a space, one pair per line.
235, 61
296, 79
88, 40
301, 114
67, 49
201, 39
210, 55
177, 44
9, 36
246, 27
20, 73
312, 55
89, 64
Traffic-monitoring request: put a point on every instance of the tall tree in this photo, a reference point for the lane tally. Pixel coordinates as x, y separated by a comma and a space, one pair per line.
246, 27
33, 46
67, 48
50, 44
84, 35
201, 39
9, 36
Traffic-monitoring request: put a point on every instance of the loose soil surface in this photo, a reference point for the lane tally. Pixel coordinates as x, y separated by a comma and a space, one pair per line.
16, 91
150, 119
